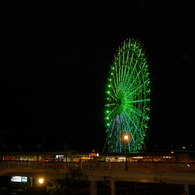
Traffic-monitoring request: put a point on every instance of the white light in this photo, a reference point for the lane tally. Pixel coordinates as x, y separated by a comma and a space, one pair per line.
16, 179
24, 179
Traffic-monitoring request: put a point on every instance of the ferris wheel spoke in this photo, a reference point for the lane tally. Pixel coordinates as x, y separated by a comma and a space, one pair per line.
133, 122
127, 76
110, 125
128, 69
144, 116
121, 79
123, 67
129, 82
119, 63
121, 86
137, 101
110, 104
113, 88
138, 73
111, 96
118, 70
114, 80
138, 130
135, 112
110, 112
135, 64
129, 129
132, 133
139, 87
113, 123
127, 58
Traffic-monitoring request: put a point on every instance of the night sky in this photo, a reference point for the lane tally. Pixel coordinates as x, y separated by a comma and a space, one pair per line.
55, 58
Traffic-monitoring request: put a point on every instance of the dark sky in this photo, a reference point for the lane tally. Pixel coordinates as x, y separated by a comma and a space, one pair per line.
55, 58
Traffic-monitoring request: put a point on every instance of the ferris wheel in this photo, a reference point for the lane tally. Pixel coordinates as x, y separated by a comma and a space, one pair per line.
127, 105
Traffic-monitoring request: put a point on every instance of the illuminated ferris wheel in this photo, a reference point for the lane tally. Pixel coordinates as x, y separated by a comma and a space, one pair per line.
127, 105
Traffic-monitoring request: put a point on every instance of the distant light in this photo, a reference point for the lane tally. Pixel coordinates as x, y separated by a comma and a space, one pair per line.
184, 147
167, 157
16, 179
137, 157
59, 156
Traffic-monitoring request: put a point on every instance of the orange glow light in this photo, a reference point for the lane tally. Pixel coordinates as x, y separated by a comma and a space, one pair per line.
126, 137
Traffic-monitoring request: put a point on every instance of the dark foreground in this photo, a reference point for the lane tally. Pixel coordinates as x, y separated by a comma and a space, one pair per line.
122, 188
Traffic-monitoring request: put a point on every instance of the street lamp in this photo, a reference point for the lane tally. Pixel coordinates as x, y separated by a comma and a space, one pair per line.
126, 139
41, 180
